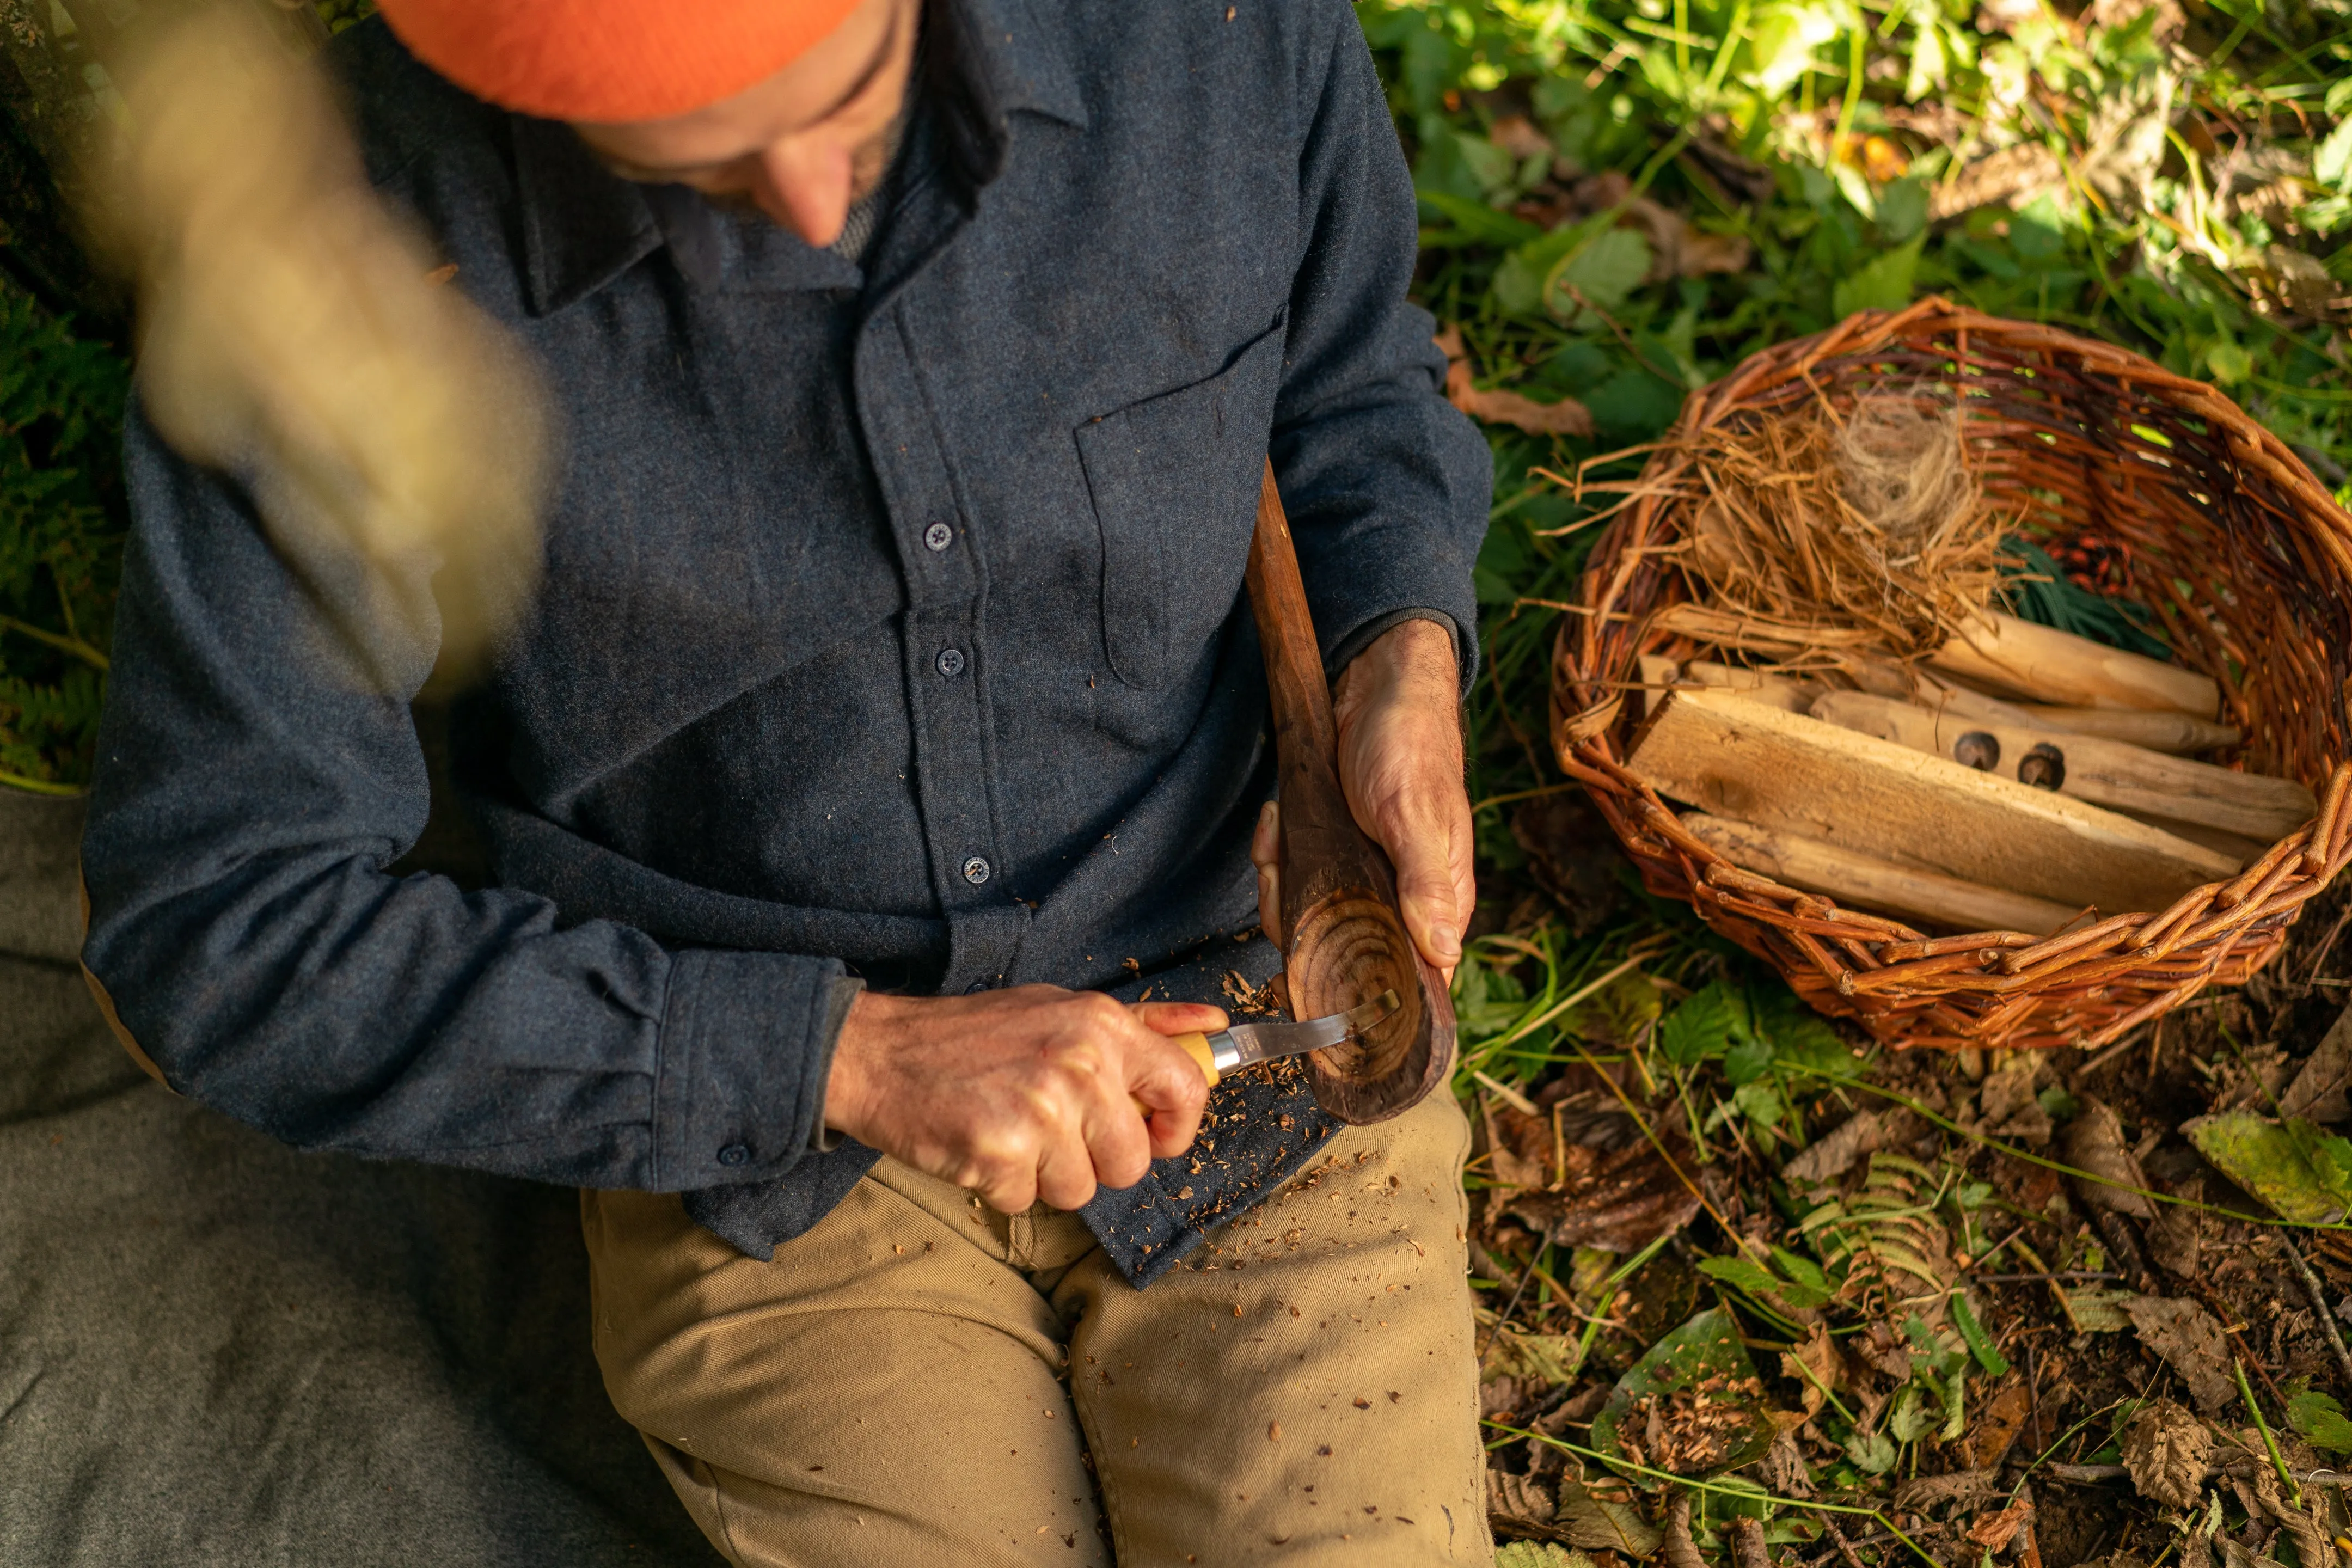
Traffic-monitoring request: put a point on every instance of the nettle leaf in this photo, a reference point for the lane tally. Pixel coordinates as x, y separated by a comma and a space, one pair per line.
1882, 283
2321, 1420
1605, 270
1761, 1104
1705, 1026
1616, 1014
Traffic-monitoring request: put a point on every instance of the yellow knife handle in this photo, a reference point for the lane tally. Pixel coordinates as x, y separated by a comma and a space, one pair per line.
1197, 1046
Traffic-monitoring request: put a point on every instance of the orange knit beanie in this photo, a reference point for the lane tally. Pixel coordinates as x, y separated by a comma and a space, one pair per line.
610, 61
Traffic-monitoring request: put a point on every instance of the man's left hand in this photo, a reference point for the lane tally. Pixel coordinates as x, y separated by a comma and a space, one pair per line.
1398, 706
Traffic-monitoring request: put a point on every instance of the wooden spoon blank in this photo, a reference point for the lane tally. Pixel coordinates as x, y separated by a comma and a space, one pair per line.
1342, 939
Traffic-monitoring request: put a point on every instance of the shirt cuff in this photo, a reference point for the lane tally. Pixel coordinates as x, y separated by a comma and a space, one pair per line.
823, 1139
746, 1048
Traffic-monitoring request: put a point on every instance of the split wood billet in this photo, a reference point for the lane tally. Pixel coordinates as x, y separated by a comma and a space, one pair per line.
2243, 850
1784, 692
1744, 761
2106, 773
1343, 939
1924, 897
2175, 732
2042, 665
1657, 672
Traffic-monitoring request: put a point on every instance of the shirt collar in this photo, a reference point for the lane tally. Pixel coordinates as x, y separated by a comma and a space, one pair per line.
584, 225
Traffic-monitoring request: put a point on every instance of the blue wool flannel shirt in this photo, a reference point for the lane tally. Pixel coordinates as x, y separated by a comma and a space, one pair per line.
891, 630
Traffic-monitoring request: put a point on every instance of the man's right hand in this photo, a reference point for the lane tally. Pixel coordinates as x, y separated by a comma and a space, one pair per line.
1020, 1094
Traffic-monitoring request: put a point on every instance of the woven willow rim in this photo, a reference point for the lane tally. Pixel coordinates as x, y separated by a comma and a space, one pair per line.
2241, 554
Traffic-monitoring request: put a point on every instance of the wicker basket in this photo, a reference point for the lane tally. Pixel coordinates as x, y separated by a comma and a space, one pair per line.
2241, 554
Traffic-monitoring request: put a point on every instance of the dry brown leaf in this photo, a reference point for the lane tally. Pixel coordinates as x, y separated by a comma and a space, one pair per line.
1679, 250
1566, 417
2007, 1102
1516, 135
1815, 1361
2167, 1449
1518, 1504
1748, 1549
1997, 1426
2304, 1527
1831, 1156
1635, 1197
1784, 1467
2318, 1090
2189, 1341
2172, 1234
2014, 175
1678, 1549
2095, 1142
1994, 1532
1955, 1486
1600, 1523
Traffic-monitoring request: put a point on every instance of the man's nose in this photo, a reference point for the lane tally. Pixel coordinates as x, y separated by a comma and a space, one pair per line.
804, 185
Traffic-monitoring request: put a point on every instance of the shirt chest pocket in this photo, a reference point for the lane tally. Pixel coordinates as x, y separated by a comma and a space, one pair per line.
1174, 479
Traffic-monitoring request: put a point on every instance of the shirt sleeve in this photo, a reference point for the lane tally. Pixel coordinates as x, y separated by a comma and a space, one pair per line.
258, 772
1386, 485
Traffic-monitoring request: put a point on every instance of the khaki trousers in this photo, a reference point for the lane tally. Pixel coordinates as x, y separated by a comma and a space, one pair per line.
920, 1381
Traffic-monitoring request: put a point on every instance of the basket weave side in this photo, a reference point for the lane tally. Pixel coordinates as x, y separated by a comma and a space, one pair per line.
2242, 555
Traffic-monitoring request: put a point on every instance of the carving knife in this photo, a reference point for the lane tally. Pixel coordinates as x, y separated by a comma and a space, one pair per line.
1237, 1047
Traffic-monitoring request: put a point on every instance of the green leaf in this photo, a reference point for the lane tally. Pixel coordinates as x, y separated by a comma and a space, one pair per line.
1706, 1348
1747, 1275
2229, 363
1760, 1103
1902, 209
1539, 1554
1782, 41
2295, 1168
1873, 1453
1605, 270
2057, 1104
1980, 1343
1518, 285
1488, 226
1881, 284
1616, 1014
2321, 1421
1911, 1417
2098, 1311
1745, 1062
2331, 160
1703, 1026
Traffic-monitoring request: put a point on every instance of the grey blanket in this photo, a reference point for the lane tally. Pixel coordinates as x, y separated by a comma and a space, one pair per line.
216, 1351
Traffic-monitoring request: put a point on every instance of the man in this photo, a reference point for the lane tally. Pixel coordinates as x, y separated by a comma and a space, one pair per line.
890, 704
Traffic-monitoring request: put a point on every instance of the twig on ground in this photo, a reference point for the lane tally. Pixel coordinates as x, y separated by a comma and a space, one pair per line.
2319, 1306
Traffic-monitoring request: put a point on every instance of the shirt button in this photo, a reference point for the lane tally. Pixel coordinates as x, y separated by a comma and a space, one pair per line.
939, 536
950, 662
975, 870
734, 1154
977, 986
